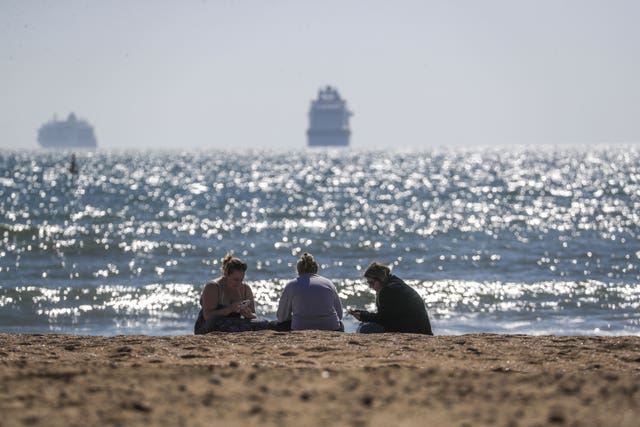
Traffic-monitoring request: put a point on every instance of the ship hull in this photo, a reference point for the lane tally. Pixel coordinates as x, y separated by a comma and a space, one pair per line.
66, 144
328, 138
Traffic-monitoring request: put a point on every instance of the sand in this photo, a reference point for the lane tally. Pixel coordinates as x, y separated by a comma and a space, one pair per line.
319, 379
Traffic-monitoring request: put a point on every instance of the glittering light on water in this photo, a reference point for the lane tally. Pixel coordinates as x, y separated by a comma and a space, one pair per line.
471, 219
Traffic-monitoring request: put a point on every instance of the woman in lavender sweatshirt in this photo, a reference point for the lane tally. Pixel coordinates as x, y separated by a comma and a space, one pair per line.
310, 301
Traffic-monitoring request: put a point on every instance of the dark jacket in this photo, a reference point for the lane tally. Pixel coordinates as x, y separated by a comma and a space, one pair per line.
400, 309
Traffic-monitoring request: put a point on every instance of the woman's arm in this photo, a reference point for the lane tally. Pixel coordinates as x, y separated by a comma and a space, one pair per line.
391, 307
337, 305
250, 311
365, 316
284, 305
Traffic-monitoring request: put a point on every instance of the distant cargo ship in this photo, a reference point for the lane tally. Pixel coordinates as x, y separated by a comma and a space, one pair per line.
72, 133
328, 120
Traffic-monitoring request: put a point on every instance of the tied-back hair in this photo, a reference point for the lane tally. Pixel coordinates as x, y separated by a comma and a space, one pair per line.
231, 264
377, 271
306, 264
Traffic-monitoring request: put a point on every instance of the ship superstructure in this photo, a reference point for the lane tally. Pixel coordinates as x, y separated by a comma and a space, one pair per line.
70, 133
328, 120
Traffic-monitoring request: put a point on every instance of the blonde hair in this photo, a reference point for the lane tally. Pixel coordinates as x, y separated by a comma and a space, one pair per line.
306, 264
231, 264
377, 271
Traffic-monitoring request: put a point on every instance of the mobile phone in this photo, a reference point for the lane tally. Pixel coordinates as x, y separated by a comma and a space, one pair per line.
245, 303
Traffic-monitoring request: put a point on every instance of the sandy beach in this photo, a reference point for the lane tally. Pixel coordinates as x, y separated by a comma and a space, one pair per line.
319, 378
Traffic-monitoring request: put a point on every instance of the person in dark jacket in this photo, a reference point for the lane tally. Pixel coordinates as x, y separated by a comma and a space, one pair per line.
400, 308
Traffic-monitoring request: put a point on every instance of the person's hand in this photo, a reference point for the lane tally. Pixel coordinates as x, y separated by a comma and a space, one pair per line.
354, 313
235, 308
247, 313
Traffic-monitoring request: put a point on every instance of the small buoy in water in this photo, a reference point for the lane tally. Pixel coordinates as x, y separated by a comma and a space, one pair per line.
73, 168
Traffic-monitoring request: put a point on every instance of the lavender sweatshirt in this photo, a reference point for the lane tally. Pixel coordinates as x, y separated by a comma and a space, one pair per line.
310, 302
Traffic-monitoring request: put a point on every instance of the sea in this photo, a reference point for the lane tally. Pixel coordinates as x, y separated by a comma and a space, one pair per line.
517, 240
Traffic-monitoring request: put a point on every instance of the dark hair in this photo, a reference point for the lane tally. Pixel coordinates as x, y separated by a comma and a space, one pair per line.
306, 264
377, 271
231, 264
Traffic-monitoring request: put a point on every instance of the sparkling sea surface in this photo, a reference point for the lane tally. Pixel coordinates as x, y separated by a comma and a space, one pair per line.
499, 240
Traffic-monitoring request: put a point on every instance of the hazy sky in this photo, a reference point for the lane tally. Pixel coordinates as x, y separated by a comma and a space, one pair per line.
242, 73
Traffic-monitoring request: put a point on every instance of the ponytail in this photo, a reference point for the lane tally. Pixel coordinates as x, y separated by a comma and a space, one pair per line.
306, 264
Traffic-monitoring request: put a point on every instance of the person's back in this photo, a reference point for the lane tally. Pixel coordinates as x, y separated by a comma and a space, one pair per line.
310, 301
314, 303
402, 308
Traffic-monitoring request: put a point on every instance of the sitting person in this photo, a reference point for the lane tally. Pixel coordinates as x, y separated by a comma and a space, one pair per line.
310, 301
227, 303
400, 308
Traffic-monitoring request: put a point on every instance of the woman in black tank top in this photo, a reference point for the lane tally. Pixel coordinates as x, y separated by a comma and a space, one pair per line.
227, 303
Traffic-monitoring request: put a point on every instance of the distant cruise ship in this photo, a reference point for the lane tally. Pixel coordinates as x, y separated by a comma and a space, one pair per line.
328, 120
72, 133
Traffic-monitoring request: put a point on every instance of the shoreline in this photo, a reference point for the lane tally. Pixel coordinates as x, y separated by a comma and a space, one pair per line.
279, 378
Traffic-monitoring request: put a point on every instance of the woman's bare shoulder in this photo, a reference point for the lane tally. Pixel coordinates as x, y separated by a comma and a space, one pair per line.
213, 283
